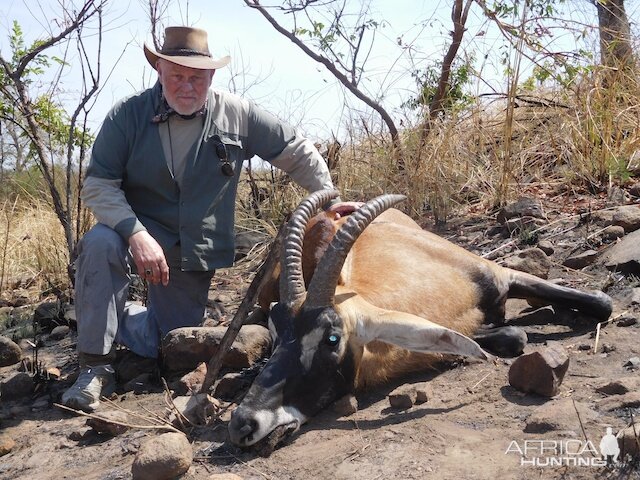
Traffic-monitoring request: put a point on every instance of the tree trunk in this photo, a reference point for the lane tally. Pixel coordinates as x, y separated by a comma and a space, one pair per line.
615, 37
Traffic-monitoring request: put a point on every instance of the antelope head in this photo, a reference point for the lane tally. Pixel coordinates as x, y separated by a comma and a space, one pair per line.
319, 334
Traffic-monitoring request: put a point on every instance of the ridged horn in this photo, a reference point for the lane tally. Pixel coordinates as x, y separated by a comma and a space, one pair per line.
292, 287
325, 279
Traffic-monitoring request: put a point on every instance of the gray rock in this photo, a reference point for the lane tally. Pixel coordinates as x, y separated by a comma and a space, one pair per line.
523, 207
10, 352
184, 348
624, 256
539, 372
633, 363
48, 315
559, 415
546, 246
612, 232
580, 260
162, 458
532, 260
59, 332
17, 386
109, 423
627, 217
626, 321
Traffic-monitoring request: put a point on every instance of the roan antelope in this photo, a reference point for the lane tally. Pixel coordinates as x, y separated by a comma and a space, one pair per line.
384, 298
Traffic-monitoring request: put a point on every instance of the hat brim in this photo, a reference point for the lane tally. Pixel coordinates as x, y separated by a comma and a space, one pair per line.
199, 62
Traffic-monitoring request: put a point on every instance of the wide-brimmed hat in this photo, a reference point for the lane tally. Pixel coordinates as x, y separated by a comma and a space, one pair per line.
186, 46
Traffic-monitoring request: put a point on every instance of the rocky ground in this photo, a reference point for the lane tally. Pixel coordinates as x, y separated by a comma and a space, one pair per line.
469, 423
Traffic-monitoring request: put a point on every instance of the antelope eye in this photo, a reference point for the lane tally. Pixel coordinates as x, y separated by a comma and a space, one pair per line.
333, 340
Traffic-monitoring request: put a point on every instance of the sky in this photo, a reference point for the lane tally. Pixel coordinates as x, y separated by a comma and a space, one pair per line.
266, 67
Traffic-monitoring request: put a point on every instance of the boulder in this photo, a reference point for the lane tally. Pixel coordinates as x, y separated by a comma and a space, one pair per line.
546, 246
624, 256
162, 458
532, 260
612, 232
17, 386
184, 348
10, 352
580, 260
539, 372
627, 217
523, 207
48, 315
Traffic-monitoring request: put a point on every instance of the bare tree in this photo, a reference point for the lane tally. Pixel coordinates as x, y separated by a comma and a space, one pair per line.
56, 137
347, 69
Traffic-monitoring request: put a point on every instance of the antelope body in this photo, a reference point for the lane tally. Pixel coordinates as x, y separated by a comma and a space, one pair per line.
382, 299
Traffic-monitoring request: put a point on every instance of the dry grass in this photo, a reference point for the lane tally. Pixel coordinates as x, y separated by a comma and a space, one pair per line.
577, 138
33, 250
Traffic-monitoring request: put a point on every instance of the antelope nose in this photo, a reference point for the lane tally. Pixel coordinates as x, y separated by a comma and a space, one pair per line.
242, 428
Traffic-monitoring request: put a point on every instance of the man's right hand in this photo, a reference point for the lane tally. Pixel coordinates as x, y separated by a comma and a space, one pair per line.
149, 258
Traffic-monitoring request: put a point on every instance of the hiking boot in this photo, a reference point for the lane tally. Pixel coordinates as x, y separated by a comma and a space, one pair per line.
92, 383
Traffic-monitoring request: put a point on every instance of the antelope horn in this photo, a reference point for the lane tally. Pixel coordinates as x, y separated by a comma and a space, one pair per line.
292, 287
325, 279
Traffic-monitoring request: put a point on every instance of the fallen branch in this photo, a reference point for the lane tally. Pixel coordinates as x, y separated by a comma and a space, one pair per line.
115, 422
261, 276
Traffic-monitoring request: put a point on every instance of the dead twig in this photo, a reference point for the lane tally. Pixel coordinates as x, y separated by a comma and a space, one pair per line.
115, 422
172, 406
584, 433
261, 276
599, 326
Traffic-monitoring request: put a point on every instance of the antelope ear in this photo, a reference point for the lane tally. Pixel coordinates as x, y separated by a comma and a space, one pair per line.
414, 333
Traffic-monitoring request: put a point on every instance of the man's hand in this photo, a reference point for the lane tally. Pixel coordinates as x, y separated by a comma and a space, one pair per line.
343, 208
149, 258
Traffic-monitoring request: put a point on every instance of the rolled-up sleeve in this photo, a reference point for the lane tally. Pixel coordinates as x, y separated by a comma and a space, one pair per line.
283, 147
101, 190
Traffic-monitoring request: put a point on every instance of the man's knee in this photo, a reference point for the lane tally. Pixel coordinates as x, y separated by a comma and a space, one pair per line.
102, 239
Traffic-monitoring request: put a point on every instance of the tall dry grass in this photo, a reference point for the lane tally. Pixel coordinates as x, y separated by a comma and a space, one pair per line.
33, 251
582, 137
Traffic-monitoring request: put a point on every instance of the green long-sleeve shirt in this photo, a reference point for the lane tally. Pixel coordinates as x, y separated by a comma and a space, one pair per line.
129, 186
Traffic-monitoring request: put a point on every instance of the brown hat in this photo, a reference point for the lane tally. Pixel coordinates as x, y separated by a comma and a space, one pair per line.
186, 46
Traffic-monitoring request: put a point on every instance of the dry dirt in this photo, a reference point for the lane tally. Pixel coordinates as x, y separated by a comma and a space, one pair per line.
470, 429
